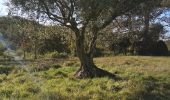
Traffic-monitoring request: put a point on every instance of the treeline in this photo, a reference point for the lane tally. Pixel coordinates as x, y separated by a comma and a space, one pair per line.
139, 32
31, 37
135, 43
28, 36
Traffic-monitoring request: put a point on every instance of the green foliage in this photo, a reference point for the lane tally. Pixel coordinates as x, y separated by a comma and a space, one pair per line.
29, 36
56, 38
132, 42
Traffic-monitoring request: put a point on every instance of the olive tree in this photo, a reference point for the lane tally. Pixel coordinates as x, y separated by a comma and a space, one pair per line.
85, 18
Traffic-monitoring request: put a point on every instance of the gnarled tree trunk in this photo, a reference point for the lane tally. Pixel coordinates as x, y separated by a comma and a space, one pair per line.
88, 69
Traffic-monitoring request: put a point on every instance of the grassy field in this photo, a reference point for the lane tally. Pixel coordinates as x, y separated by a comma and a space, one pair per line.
141, 78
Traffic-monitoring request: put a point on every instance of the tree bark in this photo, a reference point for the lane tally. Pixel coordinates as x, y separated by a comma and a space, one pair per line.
88, 69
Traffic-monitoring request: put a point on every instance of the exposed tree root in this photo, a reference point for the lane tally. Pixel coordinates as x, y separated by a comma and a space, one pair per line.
93, 72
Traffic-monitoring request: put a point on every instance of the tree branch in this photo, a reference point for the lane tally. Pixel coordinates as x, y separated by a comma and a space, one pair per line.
117, 12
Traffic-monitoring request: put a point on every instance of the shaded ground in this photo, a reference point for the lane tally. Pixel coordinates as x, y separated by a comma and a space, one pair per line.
144, 78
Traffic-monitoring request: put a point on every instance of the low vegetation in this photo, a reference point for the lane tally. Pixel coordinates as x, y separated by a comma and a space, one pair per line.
143, 78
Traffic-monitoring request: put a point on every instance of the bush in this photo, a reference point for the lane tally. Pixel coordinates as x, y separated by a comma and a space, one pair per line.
154, 48
160, 49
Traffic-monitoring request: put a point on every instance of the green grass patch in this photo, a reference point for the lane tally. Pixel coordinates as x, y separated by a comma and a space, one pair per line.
141, 78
